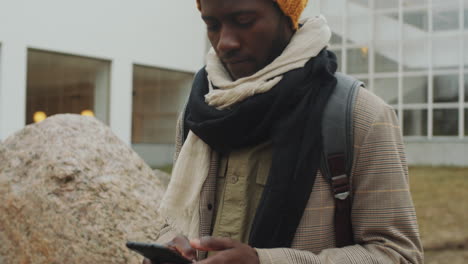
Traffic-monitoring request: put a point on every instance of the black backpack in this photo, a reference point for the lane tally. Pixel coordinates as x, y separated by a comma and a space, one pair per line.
338, 149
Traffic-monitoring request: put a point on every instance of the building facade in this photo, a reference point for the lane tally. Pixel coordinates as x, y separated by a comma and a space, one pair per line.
131, 65
414, 55
127, 63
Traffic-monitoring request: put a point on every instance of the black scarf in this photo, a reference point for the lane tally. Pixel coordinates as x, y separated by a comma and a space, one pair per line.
290, 115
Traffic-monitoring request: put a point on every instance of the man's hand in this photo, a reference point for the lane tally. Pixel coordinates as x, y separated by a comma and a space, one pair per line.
181, 245
229, 251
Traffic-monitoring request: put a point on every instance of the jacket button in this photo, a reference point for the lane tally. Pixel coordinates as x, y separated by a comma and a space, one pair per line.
210, 206
233, 179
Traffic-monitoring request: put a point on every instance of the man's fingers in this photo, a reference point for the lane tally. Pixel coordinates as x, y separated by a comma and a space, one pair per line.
182, 245
213, 243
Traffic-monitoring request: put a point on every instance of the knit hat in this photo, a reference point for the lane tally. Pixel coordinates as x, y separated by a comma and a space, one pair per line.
291, 8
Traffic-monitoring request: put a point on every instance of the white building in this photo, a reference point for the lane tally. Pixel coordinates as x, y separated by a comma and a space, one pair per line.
131, 63
413, 54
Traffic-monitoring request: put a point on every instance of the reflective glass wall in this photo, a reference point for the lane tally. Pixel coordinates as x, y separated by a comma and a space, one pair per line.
412, 53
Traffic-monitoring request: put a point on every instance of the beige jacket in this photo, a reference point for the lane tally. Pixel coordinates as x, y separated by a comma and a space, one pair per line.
383, 215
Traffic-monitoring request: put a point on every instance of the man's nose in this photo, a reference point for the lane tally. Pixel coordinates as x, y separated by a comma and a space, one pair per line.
228, 41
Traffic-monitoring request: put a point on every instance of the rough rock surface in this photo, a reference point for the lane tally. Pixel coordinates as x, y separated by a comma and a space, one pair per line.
72, 192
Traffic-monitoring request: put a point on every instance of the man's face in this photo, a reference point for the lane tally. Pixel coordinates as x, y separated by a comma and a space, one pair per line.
247, 35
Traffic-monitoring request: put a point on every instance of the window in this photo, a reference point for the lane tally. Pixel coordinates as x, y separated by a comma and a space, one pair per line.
60, 83
386, 57
359, 28
465, 48
446, 88
466, 122
445, 122
387, 89
414, 3
446, 52
417, 20
466, 87
413, 52
364, 3
335, 39
416, 55
386, 27
415, 122
415, 90
158, 96
358, 60
465, 24
386, 4
446, 17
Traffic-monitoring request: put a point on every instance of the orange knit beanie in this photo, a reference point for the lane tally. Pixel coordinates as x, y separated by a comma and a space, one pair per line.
291, 8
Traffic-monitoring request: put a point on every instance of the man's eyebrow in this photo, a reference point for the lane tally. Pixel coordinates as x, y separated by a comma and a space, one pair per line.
233, 14
242, 12
207, 18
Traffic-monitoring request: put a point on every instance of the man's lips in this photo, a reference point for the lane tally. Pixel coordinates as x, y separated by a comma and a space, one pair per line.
235, 61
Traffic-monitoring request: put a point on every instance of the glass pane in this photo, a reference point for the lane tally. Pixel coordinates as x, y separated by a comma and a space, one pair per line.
359, 28
415, 55
414, 3
446, 88
415, 122
446, 19
336, 39
358, 60
446, 53
332, 8
386, 57
385, 4
441, 3
364, 3
387, 27
387, 89
466, 122
336, 24
415, 22
466, 17
357, 9
60, 83
465, 53
158, 96
445, 122
466, 87
415, 90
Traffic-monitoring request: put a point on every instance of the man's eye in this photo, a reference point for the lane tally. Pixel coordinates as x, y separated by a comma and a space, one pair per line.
245, 20
212, 26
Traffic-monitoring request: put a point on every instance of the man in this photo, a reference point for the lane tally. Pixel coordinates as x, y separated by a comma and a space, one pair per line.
247, 174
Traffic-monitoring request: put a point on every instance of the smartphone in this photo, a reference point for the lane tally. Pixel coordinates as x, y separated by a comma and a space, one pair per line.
157, 253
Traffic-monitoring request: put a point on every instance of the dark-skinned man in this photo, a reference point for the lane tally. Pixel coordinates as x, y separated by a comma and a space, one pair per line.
246, 185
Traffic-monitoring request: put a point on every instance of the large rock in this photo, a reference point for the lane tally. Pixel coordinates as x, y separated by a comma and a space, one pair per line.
72, 192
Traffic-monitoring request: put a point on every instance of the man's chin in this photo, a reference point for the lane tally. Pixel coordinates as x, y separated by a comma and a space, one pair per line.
239, 72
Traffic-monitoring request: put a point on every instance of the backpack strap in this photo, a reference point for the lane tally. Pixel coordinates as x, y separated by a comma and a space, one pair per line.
337, 160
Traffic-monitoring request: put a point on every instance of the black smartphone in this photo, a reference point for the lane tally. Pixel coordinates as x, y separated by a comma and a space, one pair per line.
157, 253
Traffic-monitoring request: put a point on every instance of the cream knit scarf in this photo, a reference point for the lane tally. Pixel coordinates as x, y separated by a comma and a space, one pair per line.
180, 204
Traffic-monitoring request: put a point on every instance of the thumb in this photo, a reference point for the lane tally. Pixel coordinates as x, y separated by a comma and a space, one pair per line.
212, 243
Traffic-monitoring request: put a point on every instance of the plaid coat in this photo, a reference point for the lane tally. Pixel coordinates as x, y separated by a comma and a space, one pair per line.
383, 216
